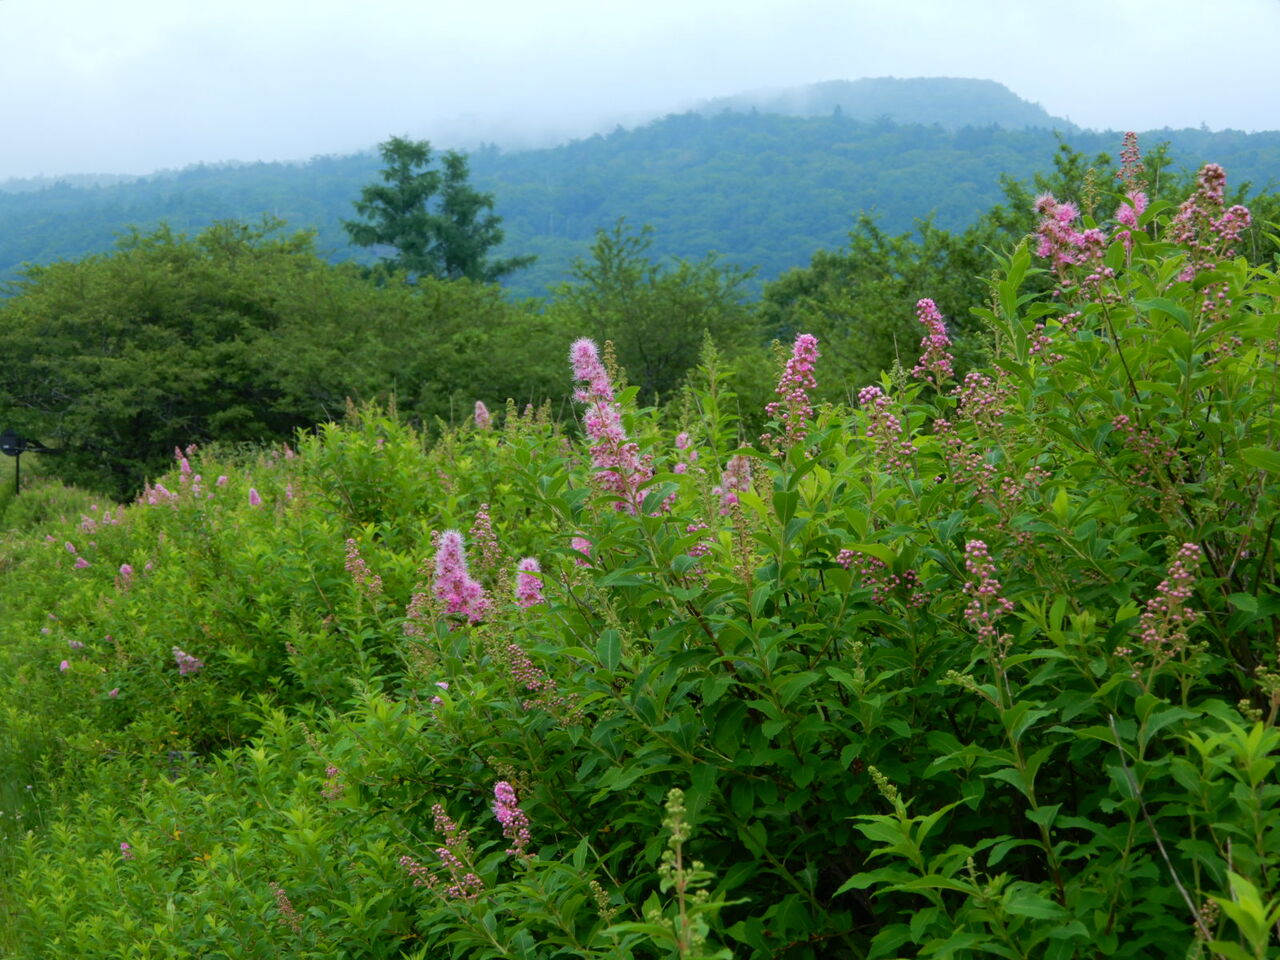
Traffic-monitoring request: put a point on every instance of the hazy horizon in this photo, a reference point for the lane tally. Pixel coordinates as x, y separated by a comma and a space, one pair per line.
146, 85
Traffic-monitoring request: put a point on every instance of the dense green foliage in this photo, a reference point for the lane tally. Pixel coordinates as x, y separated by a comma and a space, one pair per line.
983, 666
763, 191
241, 334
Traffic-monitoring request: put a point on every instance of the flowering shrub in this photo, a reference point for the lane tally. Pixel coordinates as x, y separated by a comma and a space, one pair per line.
974, 668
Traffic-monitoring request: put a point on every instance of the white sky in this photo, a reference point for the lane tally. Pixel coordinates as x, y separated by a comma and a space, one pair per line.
130, 86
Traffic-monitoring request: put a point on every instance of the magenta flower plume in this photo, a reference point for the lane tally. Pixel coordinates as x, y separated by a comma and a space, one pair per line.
453, 585
619, 467
254, 499
794, 408
528, 582
515, 825
935, 361
482, 417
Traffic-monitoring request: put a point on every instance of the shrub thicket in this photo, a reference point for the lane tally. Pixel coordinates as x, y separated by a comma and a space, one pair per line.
981, 667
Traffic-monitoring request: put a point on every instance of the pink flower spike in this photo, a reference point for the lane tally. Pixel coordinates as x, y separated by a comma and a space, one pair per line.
515, 825
483, 419
64, 666
454, 585
126, 851
81, 563
113, 692
793, 408
528, 583
254, 499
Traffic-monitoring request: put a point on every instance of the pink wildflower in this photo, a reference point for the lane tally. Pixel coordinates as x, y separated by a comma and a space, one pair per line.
794, 407
528, 582
126, 850
113, 692
1163, 626
934, 364
288, 915
884, 429
583, 546
80, 563
515, 825
221, 481
186, 662
986, 605
735, 478
483, 420
64, 666
254, 499
368, 582
453, 584
619, 467
126, 576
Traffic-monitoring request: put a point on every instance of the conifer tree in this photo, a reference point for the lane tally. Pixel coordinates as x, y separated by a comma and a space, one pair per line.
439, 225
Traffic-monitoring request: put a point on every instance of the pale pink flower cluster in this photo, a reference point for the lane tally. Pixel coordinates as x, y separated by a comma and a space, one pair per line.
1132, 168
528, 582
935, 361
485, 540
484, 421
1202, 225
1154, 451
455, 856
582, 546
1163, 626
619, 467
187, 664
289, 917
524, 671
884, 429
981, 400
1064, 244
688, 454
515, 825
333, 788
883, 582
986, 605
255, 499
369, 582
794, 409
453, 584
964, 462
735, 479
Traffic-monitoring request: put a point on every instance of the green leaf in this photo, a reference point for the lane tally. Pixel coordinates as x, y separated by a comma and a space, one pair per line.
609, 649
1264, 458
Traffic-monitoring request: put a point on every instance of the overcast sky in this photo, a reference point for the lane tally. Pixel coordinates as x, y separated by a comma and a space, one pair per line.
130, 86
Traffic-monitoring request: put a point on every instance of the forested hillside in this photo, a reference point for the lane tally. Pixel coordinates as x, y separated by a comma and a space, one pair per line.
762, 190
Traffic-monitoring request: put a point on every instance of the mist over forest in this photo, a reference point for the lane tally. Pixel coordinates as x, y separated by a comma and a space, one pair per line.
762, 179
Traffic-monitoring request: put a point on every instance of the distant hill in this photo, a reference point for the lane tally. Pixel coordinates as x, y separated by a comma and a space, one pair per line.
761, 189
951, 102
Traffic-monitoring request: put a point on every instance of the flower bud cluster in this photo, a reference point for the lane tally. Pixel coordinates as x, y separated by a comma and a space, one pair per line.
885, 430
986, 605
368, 582
935, 363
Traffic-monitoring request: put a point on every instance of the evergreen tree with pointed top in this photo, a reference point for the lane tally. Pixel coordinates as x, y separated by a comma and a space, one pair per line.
439, 225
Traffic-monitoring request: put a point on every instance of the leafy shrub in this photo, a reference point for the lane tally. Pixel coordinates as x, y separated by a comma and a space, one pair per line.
981, 667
